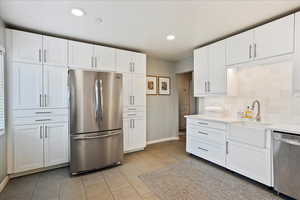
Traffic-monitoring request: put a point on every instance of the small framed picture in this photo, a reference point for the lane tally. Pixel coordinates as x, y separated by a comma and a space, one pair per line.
151, 85
164, 85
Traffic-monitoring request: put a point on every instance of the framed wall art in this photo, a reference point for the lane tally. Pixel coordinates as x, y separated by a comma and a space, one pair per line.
151, 85
164, 85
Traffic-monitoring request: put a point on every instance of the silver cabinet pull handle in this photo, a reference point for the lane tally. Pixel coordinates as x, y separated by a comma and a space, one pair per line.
42, 120
92, 61
45, 100
133, 123
96, 63
45, 56
208, 86
133, 100
42, 112
250, 51
41, 132
203, 123
40, 55
41, 100
202, 149
227, 147
133, 67
131, 114
131, 108
202, 133
130, 123
205, 87
254, 50
46, 131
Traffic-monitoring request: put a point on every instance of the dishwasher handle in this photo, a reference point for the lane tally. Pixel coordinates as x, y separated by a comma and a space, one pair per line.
291, 142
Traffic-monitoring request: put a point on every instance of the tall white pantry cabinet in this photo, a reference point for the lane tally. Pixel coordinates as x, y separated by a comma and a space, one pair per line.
37, 96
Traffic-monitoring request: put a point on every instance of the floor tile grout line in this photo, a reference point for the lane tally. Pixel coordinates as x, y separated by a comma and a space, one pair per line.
108, 187
35, 187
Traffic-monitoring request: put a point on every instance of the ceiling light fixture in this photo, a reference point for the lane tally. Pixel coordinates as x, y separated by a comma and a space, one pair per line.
170, 37
77, 12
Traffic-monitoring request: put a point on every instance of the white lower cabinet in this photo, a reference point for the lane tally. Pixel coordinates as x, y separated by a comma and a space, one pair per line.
249, 161
40, 145
243, 150
56, 143
134, 134
28, 148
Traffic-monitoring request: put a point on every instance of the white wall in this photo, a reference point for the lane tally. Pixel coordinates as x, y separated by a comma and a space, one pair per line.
185, 65
271, 85
2, 138
162, 111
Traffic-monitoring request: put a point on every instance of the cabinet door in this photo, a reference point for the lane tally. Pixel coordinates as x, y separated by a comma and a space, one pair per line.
27, 86
138, 82
249, 161
124, 61
55, 51
55, 87
27, 47
275, 38
296, 63
201, 71
56, 146
139, 63
105, 58
127, 90
137, 136
126, 133
28, 148
81, 55
217, 68
239, 48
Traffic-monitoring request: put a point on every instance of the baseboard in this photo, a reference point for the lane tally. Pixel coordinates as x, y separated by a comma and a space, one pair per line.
163, 140
4, 183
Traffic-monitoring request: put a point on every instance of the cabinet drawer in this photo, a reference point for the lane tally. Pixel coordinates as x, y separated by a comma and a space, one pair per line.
134, 109
40, 120
207, 134
213, 153
208, 124
40, 112
134, 115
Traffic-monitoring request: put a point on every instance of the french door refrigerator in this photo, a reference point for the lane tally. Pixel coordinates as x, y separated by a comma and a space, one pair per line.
96, 123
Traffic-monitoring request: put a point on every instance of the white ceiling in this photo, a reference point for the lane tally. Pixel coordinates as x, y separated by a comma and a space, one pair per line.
143, 25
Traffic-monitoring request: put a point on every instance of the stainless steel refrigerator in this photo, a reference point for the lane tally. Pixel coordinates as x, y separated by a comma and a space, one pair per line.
95, 120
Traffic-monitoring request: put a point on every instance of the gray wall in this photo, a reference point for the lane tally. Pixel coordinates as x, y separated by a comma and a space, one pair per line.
162, 111
2, 138
185, 65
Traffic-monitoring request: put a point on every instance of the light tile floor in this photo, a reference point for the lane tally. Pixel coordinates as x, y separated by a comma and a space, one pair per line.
118, 183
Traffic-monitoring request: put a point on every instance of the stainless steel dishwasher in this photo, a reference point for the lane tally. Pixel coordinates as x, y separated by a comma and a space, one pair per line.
286, 154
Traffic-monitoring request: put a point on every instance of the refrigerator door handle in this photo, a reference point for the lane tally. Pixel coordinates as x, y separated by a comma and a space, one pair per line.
97, 136
99, 99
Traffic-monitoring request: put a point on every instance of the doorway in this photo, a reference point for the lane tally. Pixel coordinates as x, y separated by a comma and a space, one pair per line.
187, 102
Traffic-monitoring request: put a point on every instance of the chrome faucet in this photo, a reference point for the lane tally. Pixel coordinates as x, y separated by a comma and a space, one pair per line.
257, 118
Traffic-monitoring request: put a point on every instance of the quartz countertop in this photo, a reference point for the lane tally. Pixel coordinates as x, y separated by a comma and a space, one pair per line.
283, 127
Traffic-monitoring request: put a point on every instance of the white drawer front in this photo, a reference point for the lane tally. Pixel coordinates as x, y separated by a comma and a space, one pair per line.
134, 115
40, 112
207, 134
208, 124
213, 153
40, 120
134, 109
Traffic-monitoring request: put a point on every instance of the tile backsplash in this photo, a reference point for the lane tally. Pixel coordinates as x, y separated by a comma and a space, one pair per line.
271, 85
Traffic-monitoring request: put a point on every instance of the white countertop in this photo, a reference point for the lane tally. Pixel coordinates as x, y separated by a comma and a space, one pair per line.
283, 127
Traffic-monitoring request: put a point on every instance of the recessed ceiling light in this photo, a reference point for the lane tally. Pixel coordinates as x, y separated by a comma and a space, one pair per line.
77, 12
99, 20
170, 37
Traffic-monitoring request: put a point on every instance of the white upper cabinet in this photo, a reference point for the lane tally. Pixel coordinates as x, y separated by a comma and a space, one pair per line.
275, 38
131, 62
28, 147
27, 47
56, 144
81, 55
27, 86
239, 48
217, 69
138, 90
272, 39
55, 87
201, 68
55, 51
210, 73
105, 58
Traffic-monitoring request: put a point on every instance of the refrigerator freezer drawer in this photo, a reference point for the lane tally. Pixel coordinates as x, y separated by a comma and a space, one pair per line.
96, 150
